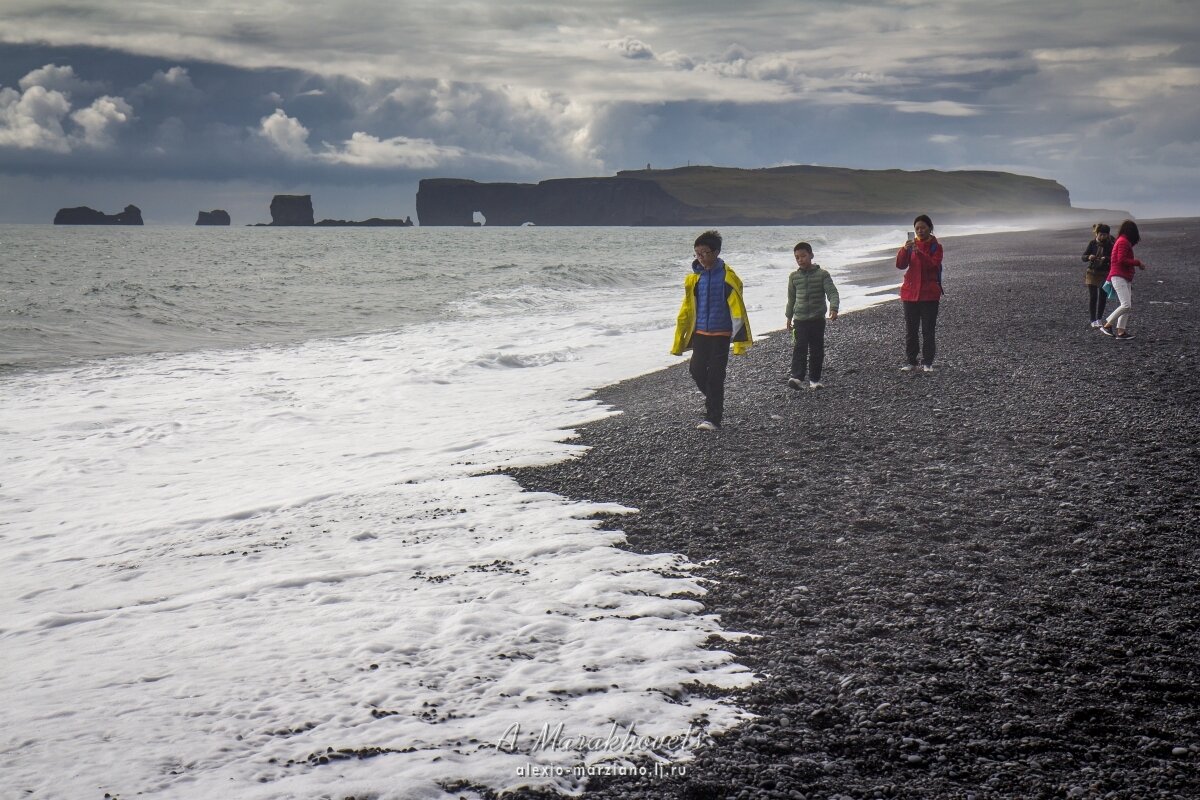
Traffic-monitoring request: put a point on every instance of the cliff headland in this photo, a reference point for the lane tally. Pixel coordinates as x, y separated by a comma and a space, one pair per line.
790, 195
217, 216
82, 215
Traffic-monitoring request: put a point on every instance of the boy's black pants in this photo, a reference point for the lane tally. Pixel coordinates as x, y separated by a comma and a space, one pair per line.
809, 348
920, 317
710, 357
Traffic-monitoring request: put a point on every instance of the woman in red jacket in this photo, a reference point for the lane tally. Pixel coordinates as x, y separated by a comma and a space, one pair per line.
1120, 275
920, 294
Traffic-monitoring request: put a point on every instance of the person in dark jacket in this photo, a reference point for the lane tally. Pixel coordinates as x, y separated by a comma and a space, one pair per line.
920, 294
1096, 256
809, 287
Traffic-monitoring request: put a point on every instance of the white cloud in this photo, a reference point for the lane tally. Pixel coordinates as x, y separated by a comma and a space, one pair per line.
942, 138
175, 77
1160, 82
174, 83
1119, 52
101, 119
58, 79
290, 137
630, 47
941, 108
32, 120
365, 150
1051, 140
285, 134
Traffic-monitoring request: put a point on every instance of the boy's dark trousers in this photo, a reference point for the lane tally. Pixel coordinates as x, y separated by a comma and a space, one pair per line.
920, 316
810, 348
710, 357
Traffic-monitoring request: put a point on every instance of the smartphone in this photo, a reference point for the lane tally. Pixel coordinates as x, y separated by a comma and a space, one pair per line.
911, 237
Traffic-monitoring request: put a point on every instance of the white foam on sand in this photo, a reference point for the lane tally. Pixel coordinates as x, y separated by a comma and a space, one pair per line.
218, 563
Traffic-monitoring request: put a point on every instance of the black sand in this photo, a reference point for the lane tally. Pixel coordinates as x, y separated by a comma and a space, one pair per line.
977, 583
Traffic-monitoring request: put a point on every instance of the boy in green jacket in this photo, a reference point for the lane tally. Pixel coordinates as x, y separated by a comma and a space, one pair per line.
808, 288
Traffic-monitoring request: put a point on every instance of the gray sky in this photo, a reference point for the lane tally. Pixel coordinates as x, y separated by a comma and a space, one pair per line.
182, 106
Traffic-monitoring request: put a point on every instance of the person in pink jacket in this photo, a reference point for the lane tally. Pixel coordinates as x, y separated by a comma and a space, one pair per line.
920, 294
1120, 275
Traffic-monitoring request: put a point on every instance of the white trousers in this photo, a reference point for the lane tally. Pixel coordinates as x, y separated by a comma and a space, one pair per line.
1120, 317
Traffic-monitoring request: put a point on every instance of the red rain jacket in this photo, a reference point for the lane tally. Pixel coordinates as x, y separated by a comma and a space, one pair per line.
923, 260
1122, 262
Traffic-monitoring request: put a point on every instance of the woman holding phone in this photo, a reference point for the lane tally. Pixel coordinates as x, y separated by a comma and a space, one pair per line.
921, 258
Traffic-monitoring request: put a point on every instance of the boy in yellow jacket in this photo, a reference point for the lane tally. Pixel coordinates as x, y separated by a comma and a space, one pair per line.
711, 320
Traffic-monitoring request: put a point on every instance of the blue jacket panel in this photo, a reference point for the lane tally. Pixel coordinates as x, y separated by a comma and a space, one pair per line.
712, 293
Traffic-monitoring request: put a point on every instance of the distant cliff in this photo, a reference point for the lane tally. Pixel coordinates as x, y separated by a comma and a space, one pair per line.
291, 209
724, 196
82, 215
215, 217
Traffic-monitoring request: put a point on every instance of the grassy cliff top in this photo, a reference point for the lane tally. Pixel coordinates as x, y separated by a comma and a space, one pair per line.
784, 191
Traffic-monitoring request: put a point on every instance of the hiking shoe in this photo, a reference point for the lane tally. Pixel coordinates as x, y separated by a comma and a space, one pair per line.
707, 425
796, 383
1107, 331
908, 368
815, 385
1123, 337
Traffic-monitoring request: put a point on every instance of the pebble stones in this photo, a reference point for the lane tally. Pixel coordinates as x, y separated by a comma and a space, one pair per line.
999, 599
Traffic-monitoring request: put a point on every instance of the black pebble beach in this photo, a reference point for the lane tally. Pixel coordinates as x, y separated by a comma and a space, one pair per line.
979, 583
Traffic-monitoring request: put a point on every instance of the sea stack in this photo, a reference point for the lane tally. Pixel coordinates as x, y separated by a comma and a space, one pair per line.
82, 215
215, 217
292, 209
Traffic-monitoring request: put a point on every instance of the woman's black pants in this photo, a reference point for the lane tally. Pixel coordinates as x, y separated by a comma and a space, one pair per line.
1097, 299
920, 321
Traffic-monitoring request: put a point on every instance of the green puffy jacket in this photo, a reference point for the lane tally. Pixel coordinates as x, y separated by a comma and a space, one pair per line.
807, 292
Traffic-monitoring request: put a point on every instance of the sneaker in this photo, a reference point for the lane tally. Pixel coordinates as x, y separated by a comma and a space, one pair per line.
796, 383
1107, 331
1123, 337
1097, 323
927, 369
707, 426
815, 385
908, 368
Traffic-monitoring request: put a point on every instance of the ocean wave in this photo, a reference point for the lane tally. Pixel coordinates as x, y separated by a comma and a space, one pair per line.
593, 275
496, 360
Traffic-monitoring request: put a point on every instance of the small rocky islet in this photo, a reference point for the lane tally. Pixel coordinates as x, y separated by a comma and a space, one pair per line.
286, 211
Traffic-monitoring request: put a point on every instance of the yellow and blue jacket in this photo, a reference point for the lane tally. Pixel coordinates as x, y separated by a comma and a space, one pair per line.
685, 325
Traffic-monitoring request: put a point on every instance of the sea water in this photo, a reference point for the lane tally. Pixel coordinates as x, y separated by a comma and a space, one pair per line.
251, 538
